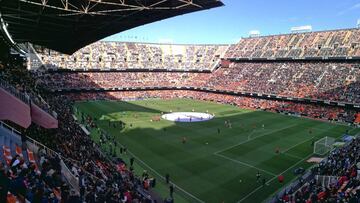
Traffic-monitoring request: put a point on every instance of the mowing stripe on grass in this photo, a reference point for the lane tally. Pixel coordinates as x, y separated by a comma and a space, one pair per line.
308, 156
208, 176
292, 156
249, 140
300, 143
162, 177
248, 195
245, 164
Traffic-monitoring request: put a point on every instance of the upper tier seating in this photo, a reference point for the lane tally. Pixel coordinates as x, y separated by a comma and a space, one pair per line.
128, 55
337, 43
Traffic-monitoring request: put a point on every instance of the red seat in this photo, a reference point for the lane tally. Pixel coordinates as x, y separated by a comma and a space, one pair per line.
7, 154
18, 151
11, 198
31, 156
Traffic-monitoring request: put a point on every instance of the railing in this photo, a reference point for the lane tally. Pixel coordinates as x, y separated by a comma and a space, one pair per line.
12, 90
69, 176
325, 181
35, 146
13, 131
292, 187
27, 98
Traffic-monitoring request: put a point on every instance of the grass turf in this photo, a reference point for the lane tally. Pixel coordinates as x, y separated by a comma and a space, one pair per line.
212, 167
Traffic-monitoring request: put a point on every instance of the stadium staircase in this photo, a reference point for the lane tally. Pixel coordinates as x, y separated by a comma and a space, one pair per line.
34, 60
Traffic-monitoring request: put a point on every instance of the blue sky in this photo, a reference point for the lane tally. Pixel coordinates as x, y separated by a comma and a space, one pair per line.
229, 23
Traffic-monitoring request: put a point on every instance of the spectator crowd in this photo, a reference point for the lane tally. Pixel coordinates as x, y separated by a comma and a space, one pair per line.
327, 81
316, 80
129, 55
100, 177
337, 43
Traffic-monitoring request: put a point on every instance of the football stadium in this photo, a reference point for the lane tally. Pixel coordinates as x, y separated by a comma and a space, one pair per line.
117, 101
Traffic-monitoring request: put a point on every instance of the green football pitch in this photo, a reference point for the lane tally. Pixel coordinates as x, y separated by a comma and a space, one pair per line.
211, 166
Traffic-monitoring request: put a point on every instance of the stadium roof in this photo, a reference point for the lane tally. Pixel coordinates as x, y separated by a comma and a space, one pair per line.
68, 25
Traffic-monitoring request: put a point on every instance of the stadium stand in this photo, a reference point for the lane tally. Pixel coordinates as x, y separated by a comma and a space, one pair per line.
70, 167
315, 80
323, 44
23, 104
78, 171
28, 177
128, 55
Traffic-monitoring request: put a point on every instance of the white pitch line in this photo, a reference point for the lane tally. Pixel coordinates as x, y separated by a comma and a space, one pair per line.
249, 140
293, 156
176, 186
255, 190
249, 136
245, 164
162, 177
288, 149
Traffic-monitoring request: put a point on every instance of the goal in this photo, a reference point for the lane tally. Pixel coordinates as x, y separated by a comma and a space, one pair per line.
324, 145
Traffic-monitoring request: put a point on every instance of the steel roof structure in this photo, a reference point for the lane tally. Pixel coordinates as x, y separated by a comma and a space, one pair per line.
68, 25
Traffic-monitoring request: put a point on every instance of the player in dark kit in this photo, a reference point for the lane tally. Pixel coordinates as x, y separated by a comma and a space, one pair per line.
263, 182
171, 188
258, 176
184, 140
277, 150
167, 178
132, 161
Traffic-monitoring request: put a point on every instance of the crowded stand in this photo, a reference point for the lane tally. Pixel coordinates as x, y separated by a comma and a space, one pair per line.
315, 80
100, 178
19, 82
337, 43
120, 79
36, 177
129, 55
24, 177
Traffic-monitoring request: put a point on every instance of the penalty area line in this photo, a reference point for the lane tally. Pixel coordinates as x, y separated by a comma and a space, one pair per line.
268, 182
300, 143
245, 164
254, 138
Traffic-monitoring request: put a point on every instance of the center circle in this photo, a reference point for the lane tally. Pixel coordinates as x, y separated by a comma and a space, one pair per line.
187, 117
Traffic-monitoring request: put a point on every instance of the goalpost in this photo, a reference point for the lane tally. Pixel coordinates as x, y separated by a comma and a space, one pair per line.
324, 145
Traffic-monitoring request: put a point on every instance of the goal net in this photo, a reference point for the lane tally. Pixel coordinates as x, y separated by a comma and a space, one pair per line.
324, 145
